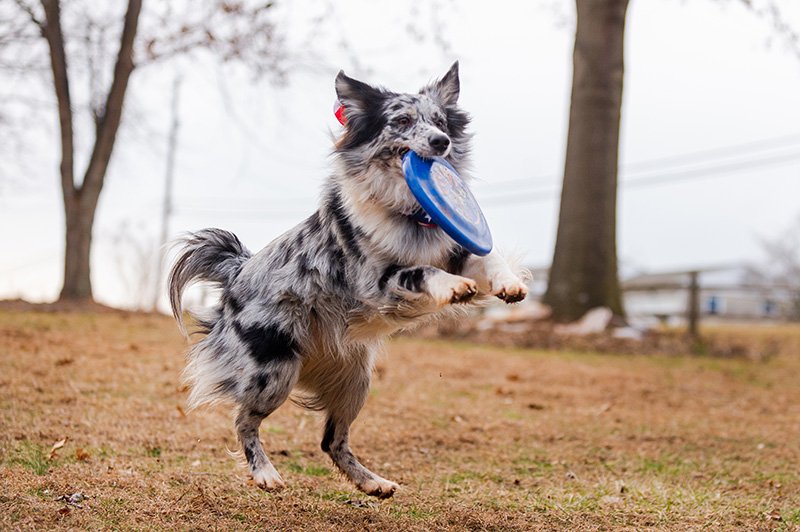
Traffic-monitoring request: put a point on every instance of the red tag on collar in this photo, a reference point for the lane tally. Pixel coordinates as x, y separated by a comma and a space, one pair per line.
338, 112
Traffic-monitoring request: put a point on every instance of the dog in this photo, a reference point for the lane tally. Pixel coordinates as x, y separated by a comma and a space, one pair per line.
310, 311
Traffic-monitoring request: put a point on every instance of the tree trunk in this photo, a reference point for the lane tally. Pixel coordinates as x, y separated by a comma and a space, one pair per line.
77, 271
80, 202
584, 270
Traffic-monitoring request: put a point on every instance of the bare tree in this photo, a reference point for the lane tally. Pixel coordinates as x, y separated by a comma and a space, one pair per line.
78, 39
134, 256
781, 269
584, 270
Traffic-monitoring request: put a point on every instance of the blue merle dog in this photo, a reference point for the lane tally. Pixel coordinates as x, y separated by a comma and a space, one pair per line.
311, 310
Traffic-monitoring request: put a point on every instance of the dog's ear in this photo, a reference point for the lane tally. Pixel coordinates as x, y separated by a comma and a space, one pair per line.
356, 96
447, 88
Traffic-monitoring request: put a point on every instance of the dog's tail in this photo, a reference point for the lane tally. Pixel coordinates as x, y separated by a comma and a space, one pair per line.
212, 255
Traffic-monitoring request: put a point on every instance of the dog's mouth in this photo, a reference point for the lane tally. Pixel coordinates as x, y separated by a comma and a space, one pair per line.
387, 154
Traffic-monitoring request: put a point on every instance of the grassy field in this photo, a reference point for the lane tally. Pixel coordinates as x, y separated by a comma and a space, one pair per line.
478, 438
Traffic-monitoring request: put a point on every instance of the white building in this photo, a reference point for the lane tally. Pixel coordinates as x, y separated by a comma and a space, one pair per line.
734, 292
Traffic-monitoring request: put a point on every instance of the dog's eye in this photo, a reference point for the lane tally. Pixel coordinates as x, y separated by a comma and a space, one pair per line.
440, 123
402, 121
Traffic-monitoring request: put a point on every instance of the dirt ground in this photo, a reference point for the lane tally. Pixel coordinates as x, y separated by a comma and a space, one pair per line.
478, 437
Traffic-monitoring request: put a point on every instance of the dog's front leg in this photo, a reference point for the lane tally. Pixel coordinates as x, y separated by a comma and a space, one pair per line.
495, 277
428, 289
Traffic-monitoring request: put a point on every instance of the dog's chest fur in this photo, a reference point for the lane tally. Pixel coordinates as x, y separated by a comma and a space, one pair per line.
323, 278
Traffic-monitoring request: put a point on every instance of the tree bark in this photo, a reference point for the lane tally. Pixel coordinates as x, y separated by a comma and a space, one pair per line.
584, 270
80, 202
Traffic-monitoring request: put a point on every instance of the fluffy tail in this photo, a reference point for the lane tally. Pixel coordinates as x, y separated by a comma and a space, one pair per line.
210, 255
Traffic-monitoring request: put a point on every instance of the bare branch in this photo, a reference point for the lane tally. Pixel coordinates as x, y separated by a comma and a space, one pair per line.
244, 32
58, 62
29, 11
112, 113
774, 15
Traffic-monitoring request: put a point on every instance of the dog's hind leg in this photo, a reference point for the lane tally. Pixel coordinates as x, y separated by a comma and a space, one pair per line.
268, 390
342, 405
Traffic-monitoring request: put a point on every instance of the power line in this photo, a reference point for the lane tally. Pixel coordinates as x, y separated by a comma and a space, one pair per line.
642, 182
638, 180
746, 148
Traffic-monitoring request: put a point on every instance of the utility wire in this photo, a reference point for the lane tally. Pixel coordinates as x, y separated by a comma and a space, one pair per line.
701, 156
723, 170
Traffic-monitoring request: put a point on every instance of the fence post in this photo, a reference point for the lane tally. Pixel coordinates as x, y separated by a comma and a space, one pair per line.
693, 312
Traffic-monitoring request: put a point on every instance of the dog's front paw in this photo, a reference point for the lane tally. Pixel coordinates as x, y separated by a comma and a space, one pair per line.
378, 487
268, 479
446, 289
509, 289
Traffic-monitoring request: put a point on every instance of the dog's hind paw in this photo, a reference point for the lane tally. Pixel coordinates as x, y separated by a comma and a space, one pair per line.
268, 479
378, 487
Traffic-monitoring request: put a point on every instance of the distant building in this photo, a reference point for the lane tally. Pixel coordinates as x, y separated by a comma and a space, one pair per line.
733, 292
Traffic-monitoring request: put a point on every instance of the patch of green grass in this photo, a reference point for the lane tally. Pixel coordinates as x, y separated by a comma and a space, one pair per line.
513, 415
525, 465
413, 511
668, 466
113, 511
791, 516
311, 470
31, 456
153, 452
462, 477
336, 496
40, 493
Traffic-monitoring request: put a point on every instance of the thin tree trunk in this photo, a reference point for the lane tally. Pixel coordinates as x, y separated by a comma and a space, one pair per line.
169, 178
584, 270
80, 202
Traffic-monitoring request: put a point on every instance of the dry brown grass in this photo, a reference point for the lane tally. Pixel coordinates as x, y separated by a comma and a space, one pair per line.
478, 437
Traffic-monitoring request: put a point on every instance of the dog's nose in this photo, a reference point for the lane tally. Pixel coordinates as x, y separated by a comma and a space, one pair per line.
439, 143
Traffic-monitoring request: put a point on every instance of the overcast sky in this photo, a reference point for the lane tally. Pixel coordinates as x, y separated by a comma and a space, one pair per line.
711, 132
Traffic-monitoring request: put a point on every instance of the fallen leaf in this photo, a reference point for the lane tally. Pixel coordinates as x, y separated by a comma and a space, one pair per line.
513, 377
64, 361
774, 515
81, 454
181, 411
535, 406
56, 446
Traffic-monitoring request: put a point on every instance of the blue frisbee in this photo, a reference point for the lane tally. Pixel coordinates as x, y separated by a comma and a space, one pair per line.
447, 201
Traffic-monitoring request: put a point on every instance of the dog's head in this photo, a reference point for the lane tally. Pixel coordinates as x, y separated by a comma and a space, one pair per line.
381, 126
